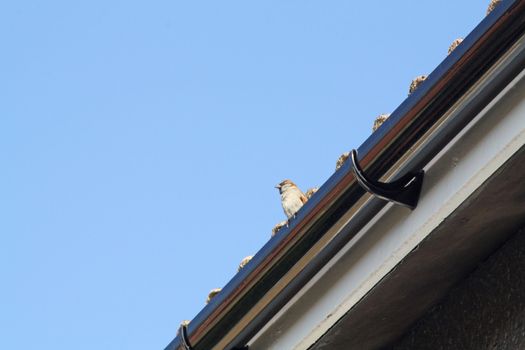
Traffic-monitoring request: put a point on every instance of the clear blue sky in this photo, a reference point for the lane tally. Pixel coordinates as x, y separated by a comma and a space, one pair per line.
140, 142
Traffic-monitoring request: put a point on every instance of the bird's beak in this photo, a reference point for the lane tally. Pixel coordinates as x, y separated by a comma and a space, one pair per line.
278, 186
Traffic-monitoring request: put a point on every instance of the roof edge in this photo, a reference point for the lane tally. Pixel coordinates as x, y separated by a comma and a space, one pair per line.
413, 118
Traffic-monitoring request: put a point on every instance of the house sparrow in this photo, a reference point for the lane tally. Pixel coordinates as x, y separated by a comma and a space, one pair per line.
277, 227
341, 160
454, 44
244, 262
310, 192
416, 82
380, 119
492, 5
212, 294
292, 198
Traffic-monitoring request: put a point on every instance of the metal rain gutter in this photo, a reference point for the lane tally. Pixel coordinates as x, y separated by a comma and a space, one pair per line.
293, 256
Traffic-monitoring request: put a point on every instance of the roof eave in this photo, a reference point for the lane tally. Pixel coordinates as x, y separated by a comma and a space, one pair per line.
378, 154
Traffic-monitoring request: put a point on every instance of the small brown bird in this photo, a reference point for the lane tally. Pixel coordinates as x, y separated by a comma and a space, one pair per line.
292, 198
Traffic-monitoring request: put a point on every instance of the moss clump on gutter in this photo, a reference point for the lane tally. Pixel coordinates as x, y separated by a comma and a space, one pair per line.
454, 44
277, 227
416, 82
493, 4
212, 294
380, 119
244, 262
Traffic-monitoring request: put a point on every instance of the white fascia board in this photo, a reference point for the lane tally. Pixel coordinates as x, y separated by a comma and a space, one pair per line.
450, 178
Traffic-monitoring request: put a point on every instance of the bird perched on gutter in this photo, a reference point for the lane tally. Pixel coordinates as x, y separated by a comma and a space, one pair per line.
292, 198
